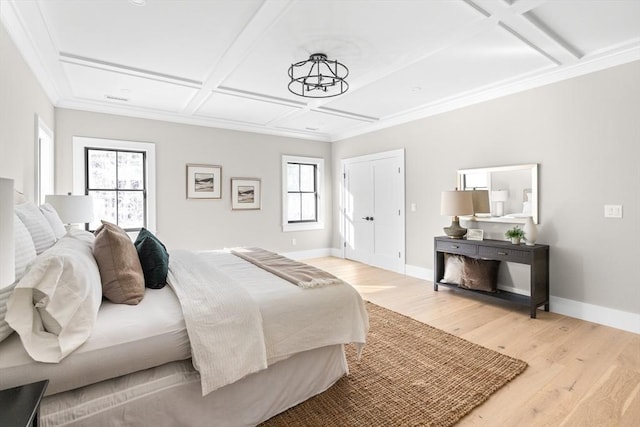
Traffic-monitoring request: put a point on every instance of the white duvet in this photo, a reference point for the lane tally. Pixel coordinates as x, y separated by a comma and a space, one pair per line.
241, 318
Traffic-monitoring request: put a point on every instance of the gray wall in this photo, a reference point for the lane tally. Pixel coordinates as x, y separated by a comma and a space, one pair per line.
204, 224
21, 98
584, 133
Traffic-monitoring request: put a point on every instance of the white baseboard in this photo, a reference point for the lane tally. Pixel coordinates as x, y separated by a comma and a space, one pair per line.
338, 253
595, 313
418, 272
580, 310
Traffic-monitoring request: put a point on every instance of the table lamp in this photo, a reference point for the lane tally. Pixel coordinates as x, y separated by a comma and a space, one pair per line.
72, 209
500, 196
454, 204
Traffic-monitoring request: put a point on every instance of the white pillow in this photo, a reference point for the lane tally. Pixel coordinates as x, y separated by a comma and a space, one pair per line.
54, 306
39, 228
18, 198
53, 219
23, 247
453, 268
5, 293
25, 252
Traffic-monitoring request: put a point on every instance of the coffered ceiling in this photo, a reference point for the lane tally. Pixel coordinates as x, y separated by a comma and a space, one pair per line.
223, 63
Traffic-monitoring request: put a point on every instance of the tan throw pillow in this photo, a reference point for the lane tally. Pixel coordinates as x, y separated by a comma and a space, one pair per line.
480, 274
120, 269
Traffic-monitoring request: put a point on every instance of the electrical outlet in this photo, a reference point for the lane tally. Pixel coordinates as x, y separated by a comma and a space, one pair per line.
293, 242
613, 211
413, 207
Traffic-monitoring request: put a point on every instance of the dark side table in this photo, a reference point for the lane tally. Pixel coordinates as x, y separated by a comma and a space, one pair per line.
19, 406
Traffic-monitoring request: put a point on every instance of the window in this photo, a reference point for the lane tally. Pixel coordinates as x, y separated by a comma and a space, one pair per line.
120, 175
45, 158
116, 180
302, 205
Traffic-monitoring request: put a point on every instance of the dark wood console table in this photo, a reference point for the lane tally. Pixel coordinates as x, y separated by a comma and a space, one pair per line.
536, 256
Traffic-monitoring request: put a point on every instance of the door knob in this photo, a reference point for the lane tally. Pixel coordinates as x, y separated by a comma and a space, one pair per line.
368, 218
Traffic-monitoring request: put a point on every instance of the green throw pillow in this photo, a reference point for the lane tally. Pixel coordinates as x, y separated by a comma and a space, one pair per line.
154, 259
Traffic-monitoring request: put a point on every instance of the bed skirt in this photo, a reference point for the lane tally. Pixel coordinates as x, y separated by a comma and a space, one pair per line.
170, 395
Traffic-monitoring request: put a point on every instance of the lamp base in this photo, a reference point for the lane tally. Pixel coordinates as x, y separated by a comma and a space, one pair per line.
454, 231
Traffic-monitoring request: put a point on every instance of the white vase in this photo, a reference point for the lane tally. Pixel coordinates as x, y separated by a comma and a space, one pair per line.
530, 231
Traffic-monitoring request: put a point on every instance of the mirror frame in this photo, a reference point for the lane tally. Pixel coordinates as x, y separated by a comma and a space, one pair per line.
533, 167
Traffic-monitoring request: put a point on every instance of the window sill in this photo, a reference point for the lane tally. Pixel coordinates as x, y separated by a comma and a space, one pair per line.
303, 226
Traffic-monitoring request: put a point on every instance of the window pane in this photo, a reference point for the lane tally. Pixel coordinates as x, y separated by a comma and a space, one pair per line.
105, 207
307, 178
130, 171
476, 180
293, 177
102, 169
293, 207
308, 206
131, 209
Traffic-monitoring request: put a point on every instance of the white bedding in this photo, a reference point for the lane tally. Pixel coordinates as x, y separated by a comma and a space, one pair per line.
124, 339
223, 321
170, 395
294, 319
297, 319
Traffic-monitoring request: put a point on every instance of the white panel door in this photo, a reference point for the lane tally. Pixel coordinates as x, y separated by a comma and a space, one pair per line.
388, 216
358, 210
374, 210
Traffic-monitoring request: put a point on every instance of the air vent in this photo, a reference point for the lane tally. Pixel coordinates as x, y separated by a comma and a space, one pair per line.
116, 98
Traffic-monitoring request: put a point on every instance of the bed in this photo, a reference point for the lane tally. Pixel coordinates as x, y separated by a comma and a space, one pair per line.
226, 343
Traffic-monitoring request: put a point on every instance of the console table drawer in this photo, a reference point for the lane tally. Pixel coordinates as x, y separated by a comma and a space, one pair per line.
456, 247
504, 254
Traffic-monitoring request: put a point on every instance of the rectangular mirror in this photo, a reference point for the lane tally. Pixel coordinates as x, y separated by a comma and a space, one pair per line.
513, 191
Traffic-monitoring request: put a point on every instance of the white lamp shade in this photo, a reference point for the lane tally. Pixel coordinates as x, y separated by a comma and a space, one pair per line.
456, 203
7, 254
500, 195
72, 209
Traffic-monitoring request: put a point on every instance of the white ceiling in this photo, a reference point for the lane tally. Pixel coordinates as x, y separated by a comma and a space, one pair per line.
223, 63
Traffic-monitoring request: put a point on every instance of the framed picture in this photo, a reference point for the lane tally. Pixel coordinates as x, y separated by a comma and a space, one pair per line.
475, 234
245, 193
204, 181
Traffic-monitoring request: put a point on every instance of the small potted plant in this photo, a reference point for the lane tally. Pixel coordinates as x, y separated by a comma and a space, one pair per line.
515, 234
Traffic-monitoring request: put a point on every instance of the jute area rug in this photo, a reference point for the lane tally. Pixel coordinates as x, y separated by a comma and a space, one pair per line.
410, 374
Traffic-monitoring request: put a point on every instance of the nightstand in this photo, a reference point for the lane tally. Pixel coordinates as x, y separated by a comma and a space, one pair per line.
19, 406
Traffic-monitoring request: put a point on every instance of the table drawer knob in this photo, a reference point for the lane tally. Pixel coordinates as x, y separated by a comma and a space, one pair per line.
503, 253
454, 246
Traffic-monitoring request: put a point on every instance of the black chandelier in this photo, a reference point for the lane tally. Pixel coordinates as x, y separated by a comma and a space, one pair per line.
318, 77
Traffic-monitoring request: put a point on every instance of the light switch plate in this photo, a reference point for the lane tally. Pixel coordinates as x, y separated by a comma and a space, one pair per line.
613, 211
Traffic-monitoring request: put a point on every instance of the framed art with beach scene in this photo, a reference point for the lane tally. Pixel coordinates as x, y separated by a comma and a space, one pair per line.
204, 181
245, 193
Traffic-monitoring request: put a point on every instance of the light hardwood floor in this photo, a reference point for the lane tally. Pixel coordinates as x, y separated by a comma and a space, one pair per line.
580, 373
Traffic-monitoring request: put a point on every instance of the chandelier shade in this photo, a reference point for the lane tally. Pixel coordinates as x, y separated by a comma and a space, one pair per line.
318, 77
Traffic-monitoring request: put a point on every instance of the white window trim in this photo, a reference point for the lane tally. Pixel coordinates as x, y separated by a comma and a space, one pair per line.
80, 143
301, 226
43, 134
